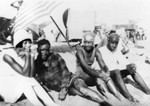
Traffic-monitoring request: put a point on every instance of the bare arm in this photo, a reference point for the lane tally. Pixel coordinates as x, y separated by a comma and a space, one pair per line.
86, 68
101, 61
32, 71
16, 66
8, 59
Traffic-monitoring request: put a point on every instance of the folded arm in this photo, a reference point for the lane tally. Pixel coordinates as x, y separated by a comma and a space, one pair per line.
25, 70
101, 61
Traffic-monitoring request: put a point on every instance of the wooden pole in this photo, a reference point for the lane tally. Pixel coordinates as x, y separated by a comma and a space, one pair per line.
61, 31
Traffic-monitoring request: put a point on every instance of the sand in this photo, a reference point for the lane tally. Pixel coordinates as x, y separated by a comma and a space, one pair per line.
136, 56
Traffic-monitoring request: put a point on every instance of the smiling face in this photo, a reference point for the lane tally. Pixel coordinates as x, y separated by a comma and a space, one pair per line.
27, 45
88, 42
44, 51
113, 41
23, 46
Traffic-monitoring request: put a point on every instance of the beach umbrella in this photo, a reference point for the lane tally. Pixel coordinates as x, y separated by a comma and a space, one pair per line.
33, 10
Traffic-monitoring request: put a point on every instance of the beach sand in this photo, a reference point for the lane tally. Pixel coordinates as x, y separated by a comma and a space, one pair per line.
136, 56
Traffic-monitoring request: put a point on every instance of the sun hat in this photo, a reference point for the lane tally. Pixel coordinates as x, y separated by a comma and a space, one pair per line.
20, 36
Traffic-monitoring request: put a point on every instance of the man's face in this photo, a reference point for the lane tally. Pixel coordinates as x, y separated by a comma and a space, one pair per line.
112, 44
88, 45
44, 51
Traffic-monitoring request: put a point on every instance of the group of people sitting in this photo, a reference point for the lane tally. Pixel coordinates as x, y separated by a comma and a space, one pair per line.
32, 74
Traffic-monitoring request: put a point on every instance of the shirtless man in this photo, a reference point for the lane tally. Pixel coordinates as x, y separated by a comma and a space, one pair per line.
51, 71
85, 58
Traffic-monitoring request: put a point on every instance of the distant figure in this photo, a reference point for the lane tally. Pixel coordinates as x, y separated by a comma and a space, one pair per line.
85, 58
100, 37
51, 71
120, 67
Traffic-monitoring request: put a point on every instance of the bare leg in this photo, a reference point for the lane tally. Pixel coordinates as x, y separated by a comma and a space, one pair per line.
36, 94
121, 85
101, 87
133, 83
88, 93
31, 96
73, 91
138, 79
110, 85
41, 93
113, 89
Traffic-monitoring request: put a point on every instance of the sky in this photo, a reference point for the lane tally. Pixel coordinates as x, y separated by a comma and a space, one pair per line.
104, 11
112, 11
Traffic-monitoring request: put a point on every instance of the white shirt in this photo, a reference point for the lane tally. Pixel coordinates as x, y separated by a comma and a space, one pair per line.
113, 60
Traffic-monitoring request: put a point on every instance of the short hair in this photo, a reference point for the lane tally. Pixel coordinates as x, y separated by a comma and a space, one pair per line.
111, 31
43, 42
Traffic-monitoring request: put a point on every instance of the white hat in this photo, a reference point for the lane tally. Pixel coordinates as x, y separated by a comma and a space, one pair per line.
21, 35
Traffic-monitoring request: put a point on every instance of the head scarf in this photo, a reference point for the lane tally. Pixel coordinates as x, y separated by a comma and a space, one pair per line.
89, 36
113, 36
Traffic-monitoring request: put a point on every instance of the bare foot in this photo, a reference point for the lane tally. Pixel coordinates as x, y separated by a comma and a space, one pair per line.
62, 94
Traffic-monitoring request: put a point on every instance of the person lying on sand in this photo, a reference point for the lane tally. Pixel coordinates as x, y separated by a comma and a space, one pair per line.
86, 55
120, 67
51, 71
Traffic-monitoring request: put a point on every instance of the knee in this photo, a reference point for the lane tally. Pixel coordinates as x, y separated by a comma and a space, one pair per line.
79, 83
132, 72
99, 81
116, 72
103, 77
132, 68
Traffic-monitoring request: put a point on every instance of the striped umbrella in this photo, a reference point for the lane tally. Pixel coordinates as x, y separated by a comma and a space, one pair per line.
32, 10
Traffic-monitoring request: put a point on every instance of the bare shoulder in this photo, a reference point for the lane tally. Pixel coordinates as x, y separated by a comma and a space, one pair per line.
97, 53
79, 51
8, 58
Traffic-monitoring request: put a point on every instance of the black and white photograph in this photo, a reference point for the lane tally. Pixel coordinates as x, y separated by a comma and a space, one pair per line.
74, 53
